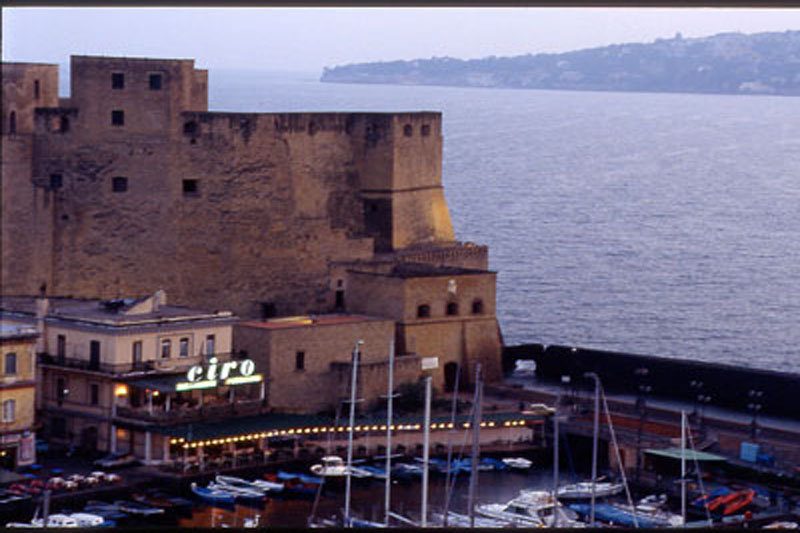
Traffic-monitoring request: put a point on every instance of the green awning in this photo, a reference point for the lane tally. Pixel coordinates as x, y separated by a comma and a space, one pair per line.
691, 455
161, 382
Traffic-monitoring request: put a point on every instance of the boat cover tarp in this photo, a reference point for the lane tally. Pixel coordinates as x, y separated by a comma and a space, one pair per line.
691, 455
614, 515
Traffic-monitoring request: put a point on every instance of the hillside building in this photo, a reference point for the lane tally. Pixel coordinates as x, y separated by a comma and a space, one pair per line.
17, 394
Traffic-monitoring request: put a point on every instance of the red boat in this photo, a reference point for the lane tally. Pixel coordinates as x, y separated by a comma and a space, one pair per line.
744, 498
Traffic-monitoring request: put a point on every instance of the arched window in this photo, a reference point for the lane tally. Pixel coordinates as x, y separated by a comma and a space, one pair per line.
408, 130
423, 311
12, 122
477, 306
452, 309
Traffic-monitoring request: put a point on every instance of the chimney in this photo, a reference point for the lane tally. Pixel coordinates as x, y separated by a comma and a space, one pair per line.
159, 299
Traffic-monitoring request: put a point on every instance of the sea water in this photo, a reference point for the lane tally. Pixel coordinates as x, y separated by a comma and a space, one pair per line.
661, 224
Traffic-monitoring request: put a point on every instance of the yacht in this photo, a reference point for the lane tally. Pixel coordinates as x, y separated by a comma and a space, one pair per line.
531, 509
334, 466
583, 490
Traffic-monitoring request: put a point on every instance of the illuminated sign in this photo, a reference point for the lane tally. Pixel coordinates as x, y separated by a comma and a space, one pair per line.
209, 377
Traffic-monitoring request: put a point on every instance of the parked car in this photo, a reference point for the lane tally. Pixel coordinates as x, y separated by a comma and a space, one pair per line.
117, 460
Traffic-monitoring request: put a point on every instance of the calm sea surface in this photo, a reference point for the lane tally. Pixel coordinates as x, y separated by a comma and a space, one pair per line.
662, 224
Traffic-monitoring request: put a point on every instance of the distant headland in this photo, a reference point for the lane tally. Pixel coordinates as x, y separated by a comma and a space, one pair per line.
727, 63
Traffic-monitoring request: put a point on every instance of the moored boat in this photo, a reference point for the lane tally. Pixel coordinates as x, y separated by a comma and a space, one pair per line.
530, 509
517, 463
333, 466
136, 508
213, 496
583, 490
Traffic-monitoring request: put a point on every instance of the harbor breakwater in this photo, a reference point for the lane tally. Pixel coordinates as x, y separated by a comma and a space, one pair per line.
749, 390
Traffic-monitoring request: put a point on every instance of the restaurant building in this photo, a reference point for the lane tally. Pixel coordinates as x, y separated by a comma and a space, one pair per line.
17, 391
112, 372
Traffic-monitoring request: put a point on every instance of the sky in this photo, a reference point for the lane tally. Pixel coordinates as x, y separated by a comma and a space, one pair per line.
311, 38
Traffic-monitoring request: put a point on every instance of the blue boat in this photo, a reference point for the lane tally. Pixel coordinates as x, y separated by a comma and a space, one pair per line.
617, 516
213, 496
305, 478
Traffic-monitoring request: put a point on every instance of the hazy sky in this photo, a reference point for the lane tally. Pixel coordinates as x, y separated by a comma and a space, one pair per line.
308, 39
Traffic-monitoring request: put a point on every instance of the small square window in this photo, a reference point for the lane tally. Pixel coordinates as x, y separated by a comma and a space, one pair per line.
56, 181
118, 117
190, 187
117, 80
425, 130
155, 82
119, 184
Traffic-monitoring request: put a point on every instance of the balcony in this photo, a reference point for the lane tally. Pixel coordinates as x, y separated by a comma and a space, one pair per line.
95, 366
185, 413
162, 365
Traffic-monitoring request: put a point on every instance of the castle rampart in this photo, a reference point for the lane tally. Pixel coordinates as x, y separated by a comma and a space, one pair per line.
131, 184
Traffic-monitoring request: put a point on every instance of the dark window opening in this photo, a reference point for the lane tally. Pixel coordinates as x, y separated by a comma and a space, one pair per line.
339, 299
94, 355
425, 130
136, 355
190, 128
11, 364
312, 128
61, 347
424, 311
119, 184
190, 187
155, 82
477, 307
118, 117
94, 394
58, 426
408, 129
166, 349
300, 361
117, 80
452, 309
56, 181
64, 126
36, 89
268, 310
12, 122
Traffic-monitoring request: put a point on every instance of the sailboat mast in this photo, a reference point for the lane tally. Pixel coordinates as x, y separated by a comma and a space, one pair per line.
555, 460
683, 467
476, 427
426, 452
389, 397
595, 435
349, 473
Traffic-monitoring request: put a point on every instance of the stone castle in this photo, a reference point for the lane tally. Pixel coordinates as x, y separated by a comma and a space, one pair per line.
131, 184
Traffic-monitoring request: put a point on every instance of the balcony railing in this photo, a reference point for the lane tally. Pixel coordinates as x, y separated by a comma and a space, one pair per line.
158, 414
95, 366
172, 363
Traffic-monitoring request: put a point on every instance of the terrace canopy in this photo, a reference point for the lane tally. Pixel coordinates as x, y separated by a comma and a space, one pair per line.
691, 455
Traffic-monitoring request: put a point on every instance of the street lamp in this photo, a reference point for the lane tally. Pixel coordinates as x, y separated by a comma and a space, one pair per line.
643, 391
754, 406
704, 400
697, 386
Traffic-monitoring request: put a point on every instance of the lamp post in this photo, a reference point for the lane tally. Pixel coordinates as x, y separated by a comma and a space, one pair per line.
696, 387
641, 407
704, 400
596, 429
754, 406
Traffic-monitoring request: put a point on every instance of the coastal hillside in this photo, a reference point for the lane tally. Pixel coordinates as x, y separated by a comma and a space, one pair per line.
728, 63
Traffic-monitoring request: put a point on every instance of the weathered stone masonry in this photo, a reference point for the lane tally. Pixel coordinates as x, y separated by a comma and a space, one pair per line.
130, 184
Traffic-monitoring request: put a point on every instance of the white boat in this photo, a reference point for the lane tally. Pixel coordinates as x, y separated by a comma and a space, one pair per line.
238, 492
461, 520
55, 520
334, 466
531, 509
89, 520
517, 462
583, 490
239, 483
